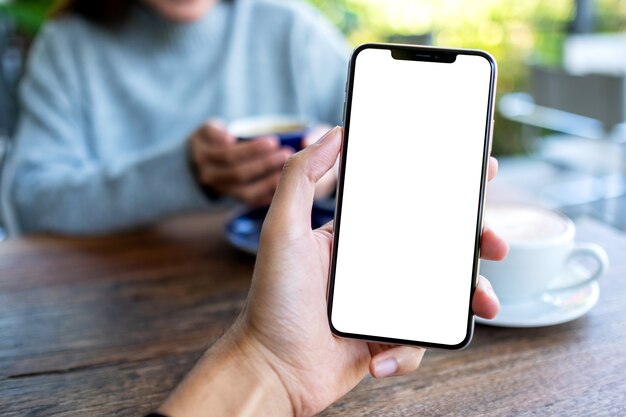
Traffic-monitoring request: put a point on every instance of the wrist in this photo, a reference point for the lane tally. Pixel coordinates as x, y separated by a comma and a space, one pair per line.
232, 378
260, 362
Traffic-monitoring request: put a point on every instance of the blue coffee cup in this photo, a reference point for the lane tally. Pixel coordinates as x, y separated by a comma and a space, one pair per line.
289, 130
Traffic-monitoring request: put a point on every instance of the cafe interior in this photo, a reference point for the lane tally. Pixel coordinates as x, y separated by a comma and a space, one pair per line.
109, 322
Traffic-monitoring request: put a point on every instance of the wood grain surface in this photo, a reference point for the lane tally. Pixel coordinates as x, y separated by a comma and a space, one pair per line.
108, 326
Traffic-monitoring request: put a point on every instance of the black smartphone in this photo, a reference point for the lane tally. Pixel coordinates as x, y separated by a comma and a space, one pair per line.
413, 171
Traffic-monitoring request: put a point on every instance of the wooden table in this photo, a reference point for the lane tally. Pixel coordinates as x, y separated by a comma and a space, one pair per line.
107, 326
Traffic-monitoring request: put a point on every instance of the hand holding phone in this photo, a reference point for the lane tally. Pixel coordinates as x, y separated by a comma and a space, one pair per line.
410, 279
280, 353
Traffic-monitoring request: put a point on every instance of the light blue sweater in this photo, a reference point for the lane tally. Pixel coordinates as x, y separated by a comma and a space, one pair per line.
101, 144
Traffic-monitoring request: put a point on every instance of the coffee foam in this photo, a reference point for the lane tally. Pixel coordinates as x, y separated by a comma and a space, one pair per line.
524, 223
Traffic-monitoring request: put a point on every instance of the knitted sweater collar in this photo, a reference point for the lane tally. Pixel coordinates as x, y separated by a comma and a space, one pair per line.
205, 29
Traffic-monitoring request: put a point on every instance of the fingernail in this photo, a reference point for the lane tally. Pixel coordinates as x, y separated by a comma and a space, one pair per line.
385, 368
328, 134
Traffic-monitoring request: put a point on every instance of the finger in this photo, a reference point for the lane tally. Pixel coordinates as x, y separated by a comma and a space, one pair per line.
492, 246
328, 227
206, 138
242, 151
326, 231
293, 200
258, 193
246, 172
398, 360
492, 170
214, 132
485, 303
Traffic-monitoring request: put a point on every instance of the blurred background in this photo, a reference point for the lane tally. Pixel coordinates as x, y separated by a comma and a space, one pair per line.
560, 129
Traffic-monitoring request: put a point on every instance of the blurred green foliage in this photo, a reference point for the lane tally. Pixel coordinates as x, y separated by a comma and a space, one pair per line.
514, 32
28, 15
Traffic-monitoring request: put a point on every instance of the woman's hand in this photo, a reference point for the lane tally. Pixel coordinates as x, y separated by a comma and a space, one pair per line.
248, 171
282, 339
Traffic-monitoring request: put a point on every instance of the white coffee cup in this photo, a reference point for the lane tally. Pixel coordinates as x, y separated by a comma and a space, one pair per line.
542, 254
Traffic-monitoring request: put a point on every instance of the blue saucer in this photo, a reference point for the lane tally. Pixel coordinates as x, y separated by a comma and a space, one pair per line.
244, 230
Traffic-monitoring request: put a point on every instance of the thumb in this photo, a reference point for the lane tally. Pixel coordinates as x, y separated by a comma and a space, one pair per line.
291, 206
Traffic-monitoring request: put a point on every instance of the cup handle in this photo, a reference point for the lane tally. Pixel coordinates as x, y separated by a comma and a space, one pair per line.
591, 250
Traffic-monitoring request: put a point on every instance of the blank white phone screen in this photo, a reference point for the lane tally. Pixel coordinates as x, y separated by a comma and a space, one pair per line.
411, 196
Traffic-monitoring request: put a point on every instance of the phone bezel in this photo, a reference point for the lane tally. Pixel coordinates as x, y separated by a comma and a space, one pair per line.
421, 53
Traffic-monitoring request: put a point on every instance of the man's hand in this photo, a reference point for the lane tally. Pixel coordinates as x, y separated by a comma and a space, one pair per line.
286, 316
280, 357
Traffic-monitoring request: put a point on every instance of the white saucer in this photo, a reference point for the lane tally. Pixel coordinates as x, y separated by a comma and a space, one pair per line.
550, 308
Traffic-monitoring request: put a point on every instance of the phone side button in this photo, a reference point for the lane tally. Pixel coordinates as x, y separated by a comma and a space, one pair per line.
491, 136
